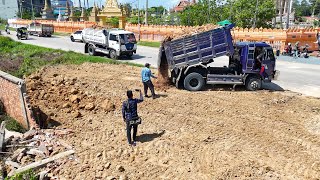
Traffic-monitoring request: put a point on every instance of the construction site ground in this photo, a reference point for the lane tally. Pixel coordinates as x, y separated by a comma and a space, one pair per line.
211, 134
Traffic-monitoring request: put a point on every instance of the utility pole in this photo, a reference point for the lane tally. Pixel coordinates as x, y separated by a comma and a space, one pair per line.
32, 9
80, 4
21, 9
139, 20
288, 14
208, 11
188, 15
146, 20
230, 10
255, 16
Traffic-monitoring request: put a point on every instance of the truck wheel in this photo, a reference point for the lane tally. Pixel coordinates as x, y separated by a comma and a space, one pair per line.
91, 50
194, 82
72, 38
253, 83
113, 54
130, 54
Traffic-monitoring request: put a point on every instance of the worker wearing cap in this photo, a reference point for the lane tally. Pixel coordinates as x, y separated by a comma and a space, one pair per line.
130, 115
146, 76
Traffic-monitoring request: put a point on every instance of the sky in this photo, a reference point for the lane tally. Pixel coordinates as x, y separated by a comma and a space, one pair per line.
134, 3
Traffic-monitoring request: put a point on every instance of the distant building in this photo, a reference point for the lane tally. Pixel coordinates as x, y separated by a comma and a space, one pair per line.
60, 5
38, 5
8, 9
183, 4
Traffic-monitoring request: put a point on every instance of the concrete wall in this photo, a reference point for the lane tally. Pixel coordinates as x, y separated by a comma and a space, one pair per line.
8, 8
15, 100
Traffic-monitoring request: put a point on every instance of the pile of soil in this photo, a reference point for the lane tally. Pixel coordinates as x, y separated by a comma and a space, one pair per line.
163, 81
191, 30
184, 135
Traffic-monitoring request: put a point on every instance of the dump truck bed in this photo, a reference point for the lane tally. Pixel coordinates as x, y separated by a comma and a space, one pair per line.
199, 48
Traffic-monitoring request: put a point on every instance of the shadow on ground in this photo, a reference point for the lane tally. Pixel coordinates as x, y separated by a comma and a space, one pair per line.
44, 120
149, 137
272, 87
265, 86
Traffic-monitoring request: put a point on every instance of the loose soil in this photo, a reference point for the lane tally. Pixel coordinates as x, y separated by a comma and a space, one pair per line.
184, 135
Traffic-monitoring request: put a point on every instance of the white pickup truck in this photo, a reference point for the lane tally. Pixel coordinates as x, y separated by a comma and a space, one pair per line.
112, 42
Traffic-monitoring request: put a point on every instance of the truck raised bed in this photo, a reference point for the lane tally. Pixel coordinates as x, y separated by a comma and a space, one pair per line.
40, 29
112, 42
187, 61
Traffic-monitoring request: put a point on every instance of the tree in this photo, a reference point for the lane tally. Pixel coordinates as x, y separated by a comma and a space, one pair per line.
315, 4
26, 14
240, 12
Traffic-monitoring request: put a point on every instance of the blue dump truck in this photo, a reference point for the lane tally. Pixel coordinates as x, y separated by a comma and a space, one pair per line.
185, 61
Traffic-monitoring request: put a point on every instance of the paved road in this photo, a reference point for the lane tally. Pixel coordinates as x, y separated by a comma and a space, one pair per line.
298, 77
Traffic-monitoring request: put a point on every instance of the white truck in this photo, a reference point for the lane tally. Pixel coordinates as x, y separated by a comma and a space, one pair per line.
112, 42
40, 29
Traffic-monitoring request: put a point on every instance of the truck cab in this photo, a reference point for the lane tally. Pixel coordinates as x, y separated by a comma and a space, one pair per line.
123, 41
113, 42
250, 61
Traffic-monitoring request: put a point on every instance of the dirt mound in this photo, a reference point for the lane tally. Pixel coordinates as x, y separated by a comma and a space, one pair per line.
184, 135
188, 31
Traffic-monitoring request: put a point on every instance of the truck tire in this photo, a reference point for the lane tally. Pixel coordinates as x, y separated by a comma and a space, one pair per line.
253, 83
194, 82
113, 54
72, 38
91, 50
129, 55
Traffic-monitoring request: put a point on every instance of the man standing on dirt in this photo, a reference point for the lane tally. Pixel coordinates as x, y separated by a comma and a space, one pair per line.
146, 80
130, 115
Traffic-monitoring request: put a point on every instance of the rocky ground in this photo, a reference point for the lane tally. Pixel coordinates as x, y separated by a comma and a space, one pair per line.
210, 134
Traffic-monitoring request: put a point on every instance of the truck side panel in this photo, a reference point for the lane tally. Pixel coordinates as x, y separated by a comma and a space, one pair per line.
199, 48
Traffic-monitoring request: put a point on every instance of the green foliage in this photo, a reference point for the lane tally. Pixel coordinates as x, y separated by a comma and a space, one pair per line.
27, 175
35, 57
302, 8
150, 44
240, 12
134, 20
12, 124
114, 21
26, 14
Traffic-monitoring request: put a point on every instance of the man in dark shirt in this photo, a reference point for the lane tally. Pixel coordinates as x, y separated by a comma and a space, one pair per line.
130, 114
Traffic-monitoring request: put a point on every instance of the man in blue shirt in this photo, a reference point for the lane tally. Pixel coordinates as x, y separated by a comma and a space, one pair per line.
130, 115
146, 80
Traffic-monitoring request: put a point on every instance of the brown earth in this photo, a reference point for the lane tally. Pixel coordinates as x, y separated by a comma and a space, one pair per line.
184, 135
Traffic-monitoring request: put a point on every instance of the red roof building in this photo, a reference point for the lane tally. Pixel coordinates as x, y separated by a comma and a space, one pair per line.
183, 4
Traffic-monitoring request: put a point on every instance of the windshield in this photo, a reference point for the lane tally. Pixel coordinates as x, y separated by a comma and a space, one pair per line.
127, 38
